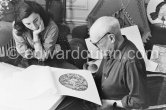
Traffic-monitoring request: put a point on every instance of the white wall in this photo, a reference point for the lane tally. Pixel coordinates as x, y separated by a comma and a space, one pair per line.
78, 10
42, 2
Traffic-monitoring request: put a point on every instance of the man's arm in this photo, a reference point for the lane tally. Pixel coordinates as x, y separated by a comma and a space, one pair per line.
136, 82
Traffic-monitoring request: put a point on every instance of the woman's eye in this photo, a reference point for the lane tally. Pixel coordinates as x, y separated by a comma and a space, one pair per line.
28, 23
35, 20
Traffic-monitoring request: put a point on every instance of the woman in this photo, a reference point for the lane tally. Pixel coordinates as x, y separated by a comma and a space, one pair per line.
36, 35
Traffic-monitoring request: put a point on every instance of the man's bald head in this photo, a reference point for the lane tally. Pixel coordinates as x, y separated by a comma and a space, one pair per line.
102, 26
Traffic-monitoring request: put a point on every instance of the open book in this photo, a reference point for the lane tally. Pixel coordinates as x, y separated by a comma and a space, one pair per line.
43, 87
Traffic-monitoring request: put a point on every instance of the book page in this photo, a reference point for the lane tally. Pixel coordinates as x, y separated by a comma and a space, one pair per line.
132, 33
158, 56
32, 88
151, 66
77, 83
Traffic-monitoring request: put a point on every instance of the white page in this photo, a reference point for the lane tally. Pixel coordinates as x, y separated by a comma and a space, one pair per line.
46, 101
6, 70
158, 56
151, 66
132, 33
29, 89
89, 91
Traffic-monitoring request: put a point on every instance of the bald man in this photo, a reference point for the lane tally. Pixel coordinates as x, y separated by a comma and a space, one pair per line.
121, 78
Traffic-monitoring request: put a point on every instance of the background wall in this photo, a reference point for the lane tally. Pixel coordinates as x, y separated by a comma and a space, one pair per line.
78, 10
42, 2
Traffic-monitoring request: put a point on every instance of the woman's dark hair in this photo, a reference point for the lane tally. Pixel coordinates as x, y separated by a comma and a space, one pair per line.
24, 10
154, 15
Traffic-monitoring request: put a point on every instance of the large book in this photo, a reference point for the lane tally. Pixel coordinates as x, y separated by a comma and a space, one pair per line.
43, 87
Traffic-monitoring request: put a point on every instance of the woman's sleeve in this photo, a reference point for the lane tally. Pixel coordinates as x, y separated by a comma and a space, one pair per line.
136, 82
50, 38
21, 45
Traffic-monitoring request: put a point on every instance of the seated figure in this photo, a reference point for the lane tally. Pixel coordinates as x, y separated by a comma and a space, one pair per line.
121, 78
37, 36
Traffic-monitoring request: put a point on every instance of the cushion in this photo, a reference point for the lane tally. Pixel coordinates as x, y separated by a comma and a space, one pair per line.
8, 53
79, 52
5, 32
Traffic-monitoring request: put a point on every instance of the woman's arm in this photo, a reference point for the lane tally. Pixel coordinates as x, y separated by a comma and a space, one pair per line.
50, 39
21, 46
49, 44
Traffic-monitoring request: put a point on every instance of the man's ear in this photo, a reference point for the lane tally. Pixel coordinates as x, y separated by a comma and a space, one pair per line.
112, 38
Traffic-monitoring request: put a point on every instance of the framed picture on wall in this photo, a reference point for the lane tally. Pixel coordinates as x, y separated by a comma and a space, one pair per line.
42, 2
77, 4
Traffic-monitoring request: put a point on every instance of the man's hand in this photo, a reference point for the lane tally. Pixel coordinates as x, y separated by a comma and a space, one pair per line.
106, 105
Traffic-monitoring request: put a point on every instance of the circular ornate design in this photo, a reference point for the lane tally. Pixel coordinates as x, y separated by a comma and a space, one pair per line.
74, 81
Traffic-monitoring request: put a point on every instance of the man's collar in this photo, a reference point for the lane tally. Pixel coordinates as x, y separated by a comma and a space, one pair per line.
117, 54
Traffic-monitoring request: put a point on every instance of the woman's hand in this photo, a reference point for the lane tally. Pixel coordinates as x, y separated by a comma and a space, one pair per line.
36, 33
40, 56
41, 28
28, 54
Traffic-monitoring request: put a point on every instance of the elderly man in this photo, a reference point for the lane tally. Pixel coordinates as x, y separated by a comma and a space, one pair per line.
121, 78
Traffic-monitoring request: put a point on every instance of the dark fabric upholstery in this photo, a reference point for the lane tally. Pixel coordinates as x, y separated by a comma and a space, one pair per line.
79, 52
8, 53
80, 32
156, 84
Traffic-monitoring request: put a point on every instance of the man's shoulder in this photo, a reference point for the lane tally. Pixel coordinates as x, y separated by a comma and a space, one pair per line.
130, 52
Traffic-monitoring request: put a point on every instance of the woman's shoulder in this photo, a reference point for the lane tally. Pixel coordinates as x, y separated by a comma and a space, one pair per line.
52, 24
51, 27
